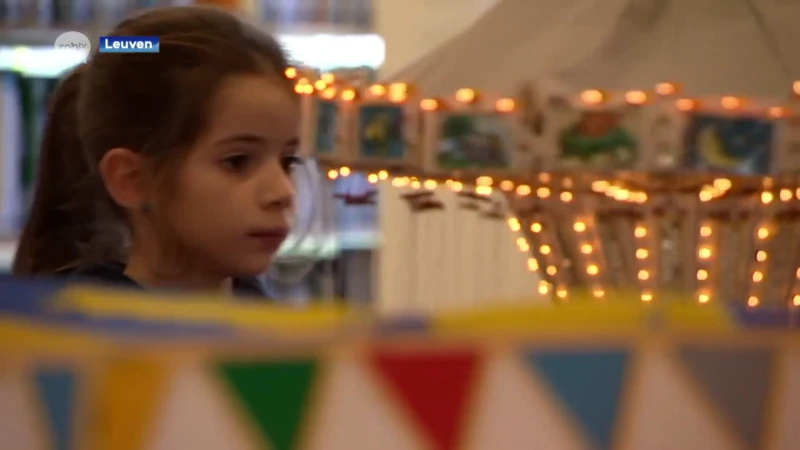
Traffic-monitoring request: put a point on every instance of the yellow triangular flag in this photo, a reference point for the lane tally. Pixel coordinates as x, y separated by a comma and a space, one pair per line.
127, 399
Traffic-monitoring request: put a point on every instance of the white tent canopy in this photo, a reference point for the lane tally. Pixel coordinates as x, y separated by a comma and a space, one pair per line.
709, 47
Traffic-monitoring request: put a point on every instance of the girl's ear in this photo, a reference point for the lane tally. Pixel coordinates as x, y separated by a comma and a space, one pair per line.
123, 176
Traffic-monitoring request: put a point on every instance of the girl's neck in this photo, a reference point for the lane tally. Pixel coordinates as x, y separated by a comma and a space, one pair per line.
141, 269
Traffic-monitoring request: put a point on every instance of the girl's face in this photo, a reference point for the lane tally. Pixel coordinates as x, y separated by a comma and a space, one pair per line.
233, 195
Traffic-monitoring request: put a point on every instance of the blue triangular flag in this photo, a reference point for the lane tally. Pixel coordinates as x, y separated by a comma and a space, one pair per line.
589, 383
57, 391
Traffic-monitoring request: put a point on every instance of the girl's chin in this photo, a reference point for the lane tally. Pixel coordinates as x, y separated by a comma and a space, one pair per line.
251, 267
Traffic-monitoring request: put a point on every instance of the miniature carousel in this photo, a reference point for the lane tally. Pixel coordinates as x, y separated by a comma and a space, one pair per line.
643, 193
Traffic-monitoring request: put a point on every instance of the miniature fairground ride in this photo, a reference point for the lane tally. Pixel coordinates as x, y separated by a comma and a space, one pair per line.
610, 193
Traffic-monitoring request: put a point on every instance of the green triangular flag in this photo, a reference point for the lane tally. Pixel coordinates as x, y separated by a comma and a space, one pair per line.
276, 395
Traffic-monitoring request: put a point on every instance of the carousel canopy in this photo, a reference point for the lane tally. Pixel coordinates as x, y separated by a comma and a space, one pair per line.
709, 47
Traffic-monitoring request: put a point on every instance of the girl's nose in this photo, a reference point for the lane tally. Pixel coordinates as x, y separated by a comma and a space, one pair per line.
277, 190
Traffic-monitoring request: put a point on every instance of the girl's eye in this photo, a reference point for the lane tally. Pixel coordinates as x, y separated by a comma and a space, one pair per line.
289, 161
236, 163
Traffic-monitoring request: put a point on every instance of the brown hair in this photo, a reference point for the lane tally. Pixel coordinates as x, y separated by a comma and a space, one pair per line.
153, 103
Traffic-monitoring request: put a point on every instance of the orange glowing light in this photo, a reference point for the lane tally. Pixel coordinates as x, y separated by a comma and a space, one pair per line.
429, 104
636, 97
466, 95
592, 97
505, 105
686, 104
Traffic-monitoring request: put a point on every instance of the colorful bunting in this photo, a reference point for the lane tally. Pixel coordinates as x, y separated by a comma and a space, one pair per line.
354, 413
715, 398
196, 415
57, 392
434, 385
786, 433
20, 419
515, 412
736, 381
589, 382
275, 394
664, 411
124, 406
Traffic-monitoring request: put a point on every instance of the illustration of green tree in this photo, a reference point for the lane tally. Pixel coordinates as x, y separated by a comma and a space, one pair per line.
576, 145
458, 127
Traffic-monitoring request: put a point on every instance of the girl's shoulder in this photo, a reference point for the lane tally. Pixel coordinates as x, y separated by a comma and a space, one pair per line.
249, 287
112, 273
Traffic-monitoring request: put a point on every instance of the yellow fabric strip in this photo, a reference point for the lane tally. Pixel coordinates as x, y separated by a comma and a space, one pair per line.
687, 316
582, 317
25, 336
194, 309
546, 318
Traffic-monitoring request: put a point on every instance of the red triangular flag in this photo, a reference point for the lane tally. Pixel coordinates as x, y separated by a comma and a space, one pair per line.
434, 385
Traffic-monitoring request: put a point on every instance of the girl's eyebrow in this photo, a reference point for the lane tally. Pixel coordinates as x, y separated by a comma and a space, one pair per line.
255, 139
243, 138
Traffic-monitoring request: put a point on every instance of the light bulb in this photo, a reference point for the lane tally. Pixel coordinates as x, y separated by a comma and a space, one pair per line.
523, 190
543, 289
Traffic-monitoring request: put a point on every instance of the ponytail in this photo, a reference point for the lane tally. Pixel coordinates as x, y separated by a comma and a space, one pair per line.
63, 217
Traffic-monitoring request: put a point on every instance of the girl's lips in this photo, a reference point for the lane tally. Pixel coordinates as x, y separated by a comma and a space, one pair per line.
270, 232
269, 238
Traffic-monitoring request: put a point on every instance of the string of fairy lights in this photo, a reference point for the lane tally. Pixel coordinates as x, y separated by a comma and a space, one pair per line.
578, 257
536, 235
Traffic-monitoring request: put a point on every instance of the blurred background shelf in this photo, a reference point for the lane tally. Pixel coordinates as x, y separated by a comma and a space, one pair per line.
345, 16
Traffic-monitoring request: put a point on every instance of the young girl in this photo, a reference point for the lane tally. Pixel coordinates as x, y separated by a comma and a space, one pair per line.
169, 169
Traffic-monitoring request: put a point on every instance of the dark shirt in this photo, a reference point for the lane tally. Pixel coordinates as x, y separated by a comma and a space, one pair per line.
113, 274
